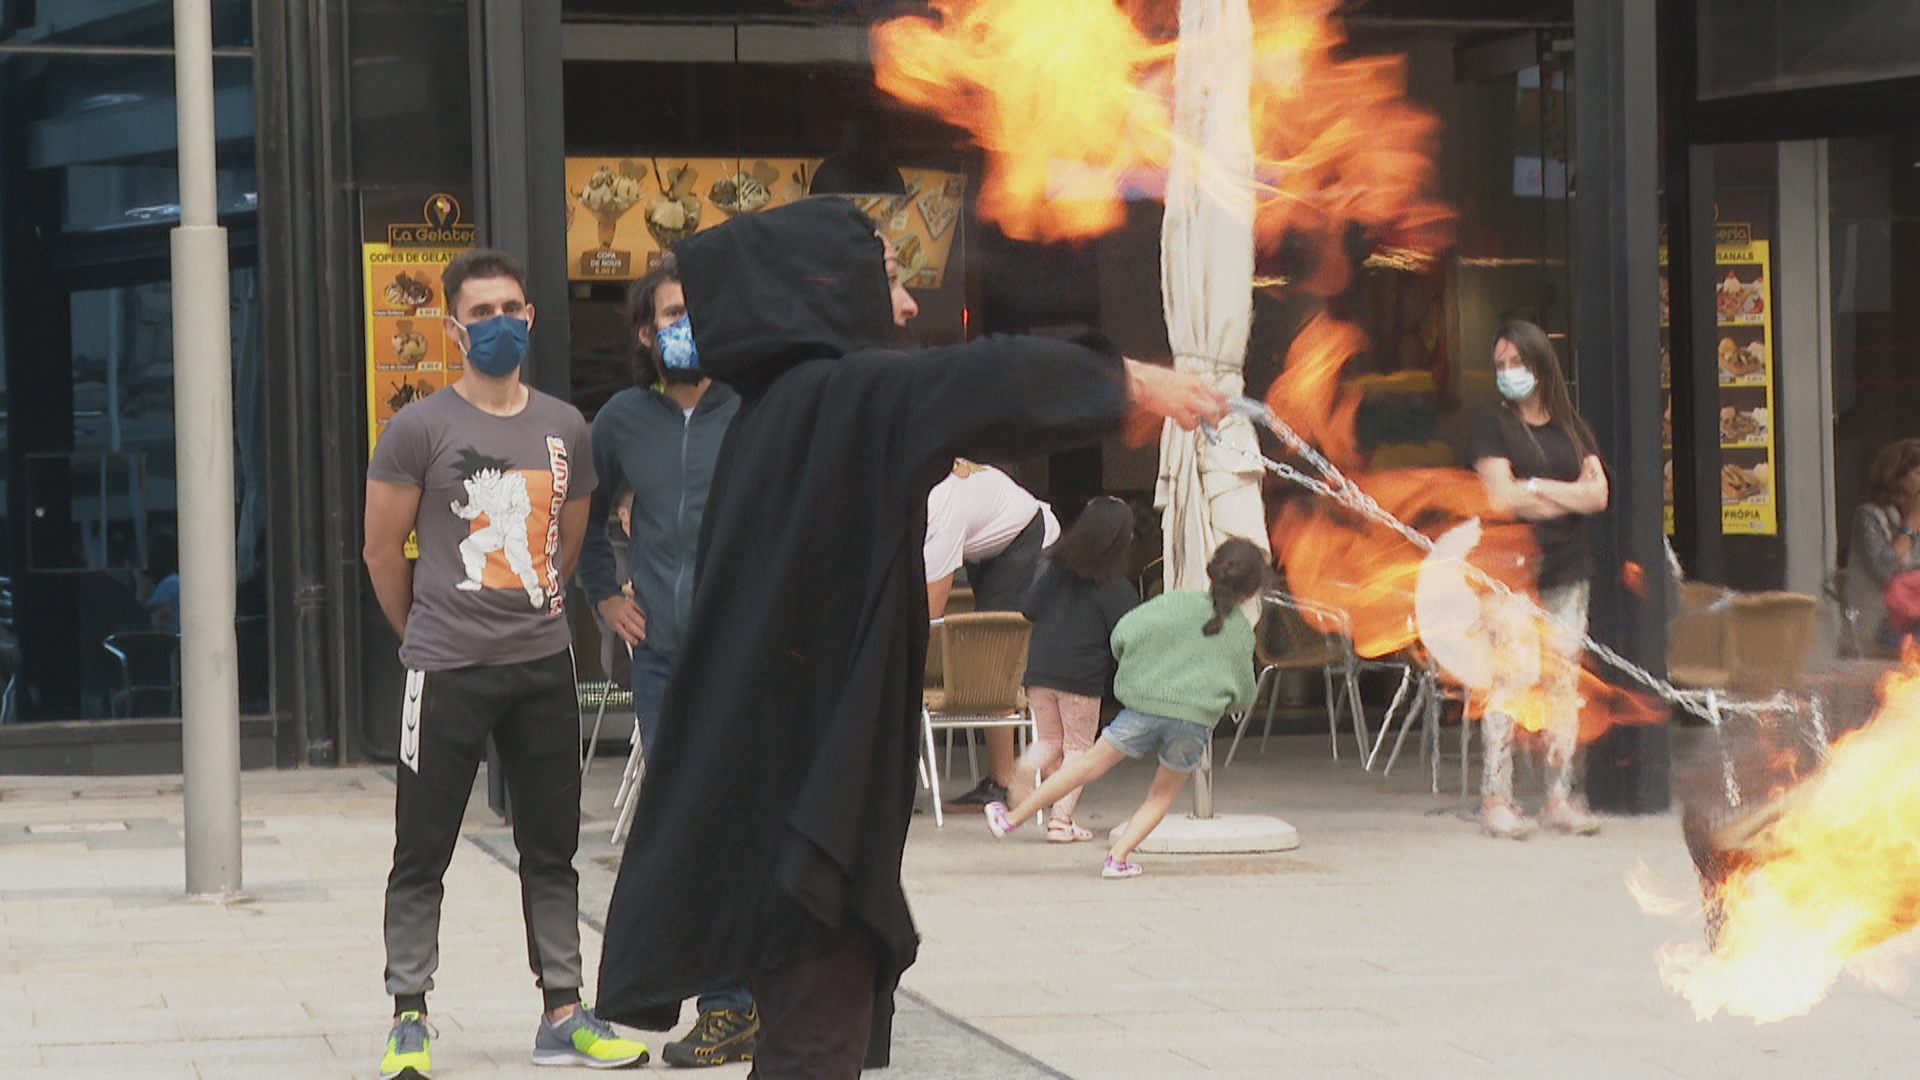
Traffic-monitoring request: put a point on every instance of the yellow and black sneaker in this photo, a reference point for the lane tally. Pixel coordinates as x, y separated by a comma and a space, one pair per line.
719, 1036
408, 1056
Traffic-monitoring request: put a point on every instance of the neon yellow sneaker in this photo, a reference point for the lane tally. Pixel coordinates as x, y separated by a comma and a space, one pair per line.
585, 1040
407, 1049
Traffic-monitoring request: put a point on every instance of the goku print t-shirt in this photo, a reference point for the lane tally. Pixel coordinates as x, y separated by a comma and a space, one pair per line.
487, 588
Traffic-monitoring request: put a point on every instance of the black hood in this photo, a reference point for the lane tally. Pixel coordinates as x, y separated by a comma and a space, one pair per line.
768, 291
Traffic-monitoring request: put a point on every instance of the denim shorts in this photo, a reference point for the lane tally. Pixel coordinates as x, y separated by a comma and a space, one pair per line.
1180, 743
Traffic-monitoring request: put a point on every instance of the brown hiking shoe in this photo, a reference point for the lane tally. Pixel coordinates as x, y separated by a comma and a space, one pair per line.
719, 1036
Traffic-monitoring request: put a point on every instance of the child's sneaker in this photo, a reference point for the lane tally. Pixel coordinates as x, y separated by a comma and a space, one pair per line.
585, 1040
408, 1056
1120, 868
998, 819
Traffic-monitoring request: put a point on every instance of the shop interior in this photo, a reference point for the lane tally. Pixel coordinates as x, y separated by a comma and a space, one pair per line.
775, 97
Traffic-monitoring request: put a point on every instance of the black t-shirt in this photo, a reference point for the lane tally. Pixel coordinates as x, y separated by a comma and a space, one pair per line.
1073, 621
1548, 453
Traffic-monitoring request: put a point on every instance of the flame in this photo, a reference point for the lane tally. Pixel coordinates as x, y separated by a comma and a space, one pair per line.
1064, 126
1634, 577
1336, 558
1072, 100
1835, 874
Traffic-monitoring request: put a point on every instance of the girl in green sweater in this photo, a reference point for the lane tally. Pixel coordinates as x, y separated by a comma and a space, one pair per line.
1185, 660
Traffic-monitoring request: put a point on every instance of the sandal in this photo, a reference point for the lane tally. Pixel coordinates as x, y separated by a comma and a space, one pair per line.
1062, 831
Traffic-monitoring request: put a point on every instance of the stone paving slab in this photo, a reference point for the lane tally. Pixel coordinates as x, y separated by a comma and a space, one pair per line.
1396, 942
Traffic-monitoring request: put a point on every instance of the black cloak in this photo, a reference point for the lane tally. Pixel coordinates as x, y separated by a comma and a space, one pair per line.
778, 794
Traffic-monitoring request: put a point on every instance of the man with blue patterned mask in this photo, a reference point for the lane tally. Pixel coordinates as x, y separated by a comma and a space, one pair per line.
662, 438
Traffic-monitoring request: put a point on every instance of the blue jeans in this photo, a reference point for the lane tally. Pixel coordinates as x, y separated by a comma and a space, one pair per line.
650, 674
1179, 743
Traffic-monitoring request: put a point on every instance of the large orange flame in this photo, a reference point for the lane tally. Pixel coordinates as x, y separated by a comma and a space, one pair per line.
1338, 558
1835, 874
1056, 91
1072, 101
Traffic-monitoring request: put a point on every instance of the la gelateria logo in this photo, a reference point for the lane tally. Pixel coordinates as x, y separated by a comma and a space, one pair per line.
441, 224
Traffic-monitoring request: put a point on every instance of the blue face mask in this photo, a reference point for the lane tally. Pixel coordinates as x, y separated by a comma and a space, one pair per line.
1516, 384
496, 346
678, 353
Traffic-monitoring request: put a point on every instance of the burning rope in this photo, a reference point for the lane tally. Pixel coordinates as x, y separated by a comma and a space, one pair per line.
1333, 484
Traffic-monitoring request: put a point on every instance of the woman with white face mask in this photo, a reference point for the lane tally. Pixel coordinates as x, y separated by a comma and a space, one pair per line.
1540, 463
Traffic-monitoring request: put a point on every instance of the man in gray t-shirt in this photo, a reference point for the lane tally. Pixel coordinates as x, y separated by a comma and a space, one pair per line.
494, 478
487, 588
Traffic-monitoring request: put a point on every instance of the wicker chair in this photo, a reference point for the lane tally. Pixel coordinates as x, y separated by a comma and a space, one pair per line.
1699, 646
959, 602
1771, 637
983, 660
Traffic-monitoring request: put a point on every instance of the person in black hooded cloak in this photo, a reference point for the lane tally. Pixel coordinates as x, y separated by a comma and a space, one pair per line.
768, 837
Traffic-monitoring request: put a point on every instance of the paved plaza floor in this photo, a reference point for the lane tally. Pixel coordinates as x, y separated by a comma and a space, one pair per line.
1395, 942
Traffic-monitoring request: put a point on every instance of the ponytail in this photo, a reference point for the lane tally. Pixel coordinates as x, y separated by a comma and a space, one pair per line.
1222, 604
1238, 570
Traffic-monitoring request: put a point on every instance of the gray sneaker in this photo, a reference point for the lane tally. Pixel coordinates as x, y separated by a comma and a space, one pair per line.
586, 1041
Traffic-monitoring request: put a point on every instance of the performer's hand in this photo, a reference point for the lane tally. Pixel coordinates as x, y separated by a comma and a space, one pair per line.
625, 617
1184, 398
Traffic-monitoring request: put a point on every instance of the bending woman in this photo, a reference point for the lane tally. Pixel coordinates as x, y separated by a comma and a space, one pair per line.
1539, 462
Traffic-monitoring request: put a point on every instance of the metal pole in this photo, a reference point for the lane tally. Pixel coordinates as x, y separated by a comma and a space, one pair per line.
203, 430
1203, 785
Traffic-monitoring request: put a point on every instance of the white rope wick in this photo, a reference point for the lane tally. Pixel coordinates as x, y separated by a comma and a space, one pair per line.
1335, 485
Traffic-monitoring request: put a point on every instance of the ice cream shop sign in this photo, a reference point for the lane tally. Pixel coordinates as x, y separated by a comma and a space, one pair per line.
624, 212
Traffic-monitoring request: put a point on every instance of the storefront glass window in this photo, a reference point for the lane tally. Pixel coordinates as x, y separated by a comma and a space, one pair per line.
117, 23
88, 192
1874, 200
1749, 46
1511, 154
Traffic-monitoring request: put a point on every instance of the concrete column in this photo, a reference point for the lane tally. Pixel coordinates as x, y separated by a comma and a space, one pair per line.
1803, 368
1617, 343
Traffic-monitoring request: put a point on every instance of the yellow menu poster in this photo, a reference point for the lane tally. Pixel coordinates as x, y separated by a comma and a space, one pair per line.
622, 212
1743, 316
406, 242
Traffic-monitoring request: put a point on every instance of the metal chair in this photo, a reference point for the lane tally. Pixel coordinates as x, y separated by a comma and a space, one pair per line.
628, 796
599, 695
149, 670
983, 660
1290, 643
9, 655
1153, 579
